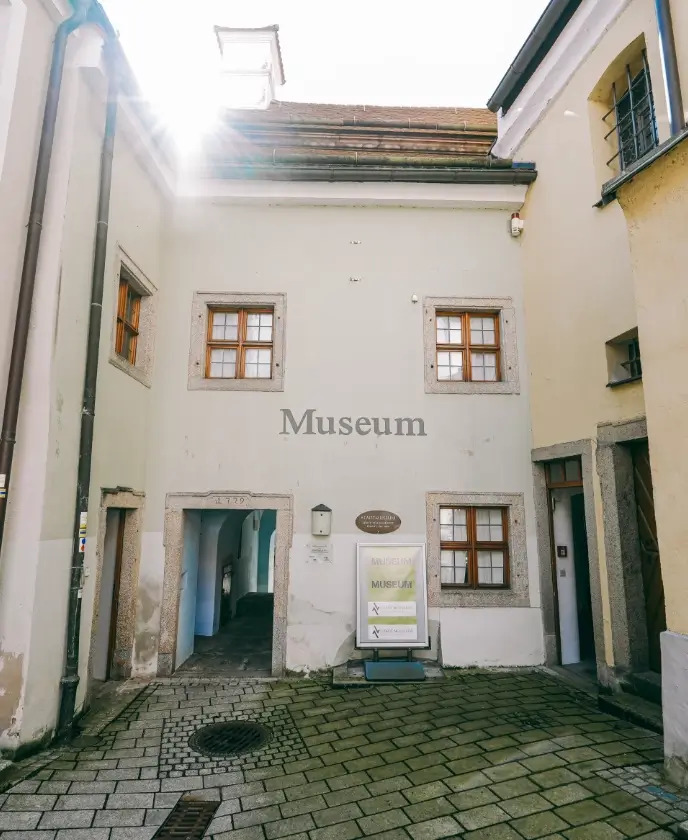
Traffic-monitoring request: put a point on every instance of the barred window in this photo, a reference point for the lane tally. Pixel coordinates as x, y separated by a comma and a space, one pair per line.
474, 547
634, 128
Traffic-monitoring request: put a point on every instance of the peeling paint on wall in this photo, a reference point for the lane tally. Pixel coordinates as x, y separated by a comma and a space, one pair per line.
11, 668
147, 626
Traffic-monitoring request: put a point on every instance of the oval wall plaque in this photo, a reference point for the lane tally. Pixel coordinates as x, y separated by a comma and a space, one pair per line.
377, 522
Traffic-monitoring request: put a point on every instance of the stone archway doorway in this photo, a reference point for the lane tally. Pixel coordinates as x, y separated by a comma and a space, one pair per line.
184, 508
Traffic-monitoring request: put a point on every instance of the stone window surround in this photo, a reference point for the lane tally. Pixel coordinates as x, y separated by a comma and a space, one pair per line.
202, 301
517, 594
173, 539
584, 450
142, 370
133, 501
508, 346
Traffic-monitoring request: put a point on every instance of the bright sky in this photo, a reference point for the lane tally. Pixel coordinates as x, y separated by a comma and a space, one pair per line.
374, 52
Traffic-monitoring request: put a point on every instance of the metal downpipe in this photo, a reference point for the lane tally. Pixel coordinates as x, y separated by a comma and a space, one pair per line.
677, 119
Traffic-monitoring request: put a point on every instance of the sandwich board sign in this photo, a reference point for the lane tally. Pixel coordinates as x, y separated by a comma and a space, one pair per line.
392, 603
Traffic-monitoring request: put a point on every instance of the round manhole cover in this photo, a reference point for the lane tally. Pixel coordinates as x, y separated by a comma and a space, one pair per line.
233, 738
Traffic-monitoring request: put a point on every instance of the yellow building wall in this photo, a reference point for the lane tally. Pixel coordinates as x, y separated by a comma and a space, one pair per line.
577, 262
656, 206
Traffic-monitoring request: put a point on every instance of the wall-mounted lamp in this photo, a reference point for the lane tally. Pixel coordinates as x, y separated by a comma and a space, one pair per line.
321, 521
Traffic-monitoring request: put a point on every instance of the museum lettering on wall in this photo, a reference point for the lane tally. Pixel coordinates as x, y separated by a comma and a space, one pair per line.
312, 424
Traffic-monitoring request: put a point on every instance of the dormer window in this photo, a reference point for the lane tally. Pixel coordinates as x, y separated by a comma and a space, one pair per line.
251, 66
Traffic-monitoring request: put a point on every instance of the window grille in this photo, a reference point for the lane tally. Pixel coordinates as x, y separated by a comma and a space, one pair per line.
633, 112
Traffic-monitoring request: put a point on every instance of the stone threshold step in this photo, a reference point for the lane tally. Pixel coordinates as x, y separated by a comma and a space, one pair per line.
633, 709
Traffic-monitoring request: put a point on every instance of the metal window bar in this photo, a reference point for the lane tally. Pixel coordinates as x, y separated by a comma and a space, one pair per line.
635, 121
633, 365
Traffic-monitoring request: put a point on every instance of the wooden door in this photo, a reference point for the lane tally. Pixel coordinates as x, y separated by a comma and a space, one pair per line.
649, 551
112, 635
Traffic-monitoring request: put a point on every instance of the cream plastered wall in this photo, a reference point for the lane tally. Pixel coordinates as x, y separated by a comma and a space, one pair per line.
20, 561
41, 522
655, 206
578, 285
353, 349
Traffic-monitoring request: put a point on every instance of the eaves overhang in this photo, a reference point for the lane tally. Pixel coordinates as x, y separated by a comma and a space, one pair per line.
534, 50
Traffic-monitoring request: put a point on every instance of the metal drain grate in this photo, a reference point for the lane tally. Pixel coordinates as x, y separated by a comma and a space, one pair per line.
188, 820
233, 738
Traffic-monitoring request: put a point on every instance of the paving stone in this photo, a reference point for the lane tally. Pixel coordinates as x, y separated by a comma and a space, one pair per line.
566, 794
384, 821
29, 802
67, 802
431, 808
66, 819
502, 831
583, 812
482, 817
513, 788
631, 824
599, 786
91, 787
594, 831
655, 815
341, 813
466, 781
255, 832
130, 800
262, 800
19, 820
259, 816
282, 828
127, 817
188, 783
539, 825
434, 829
521, 806
554, 778
427, 791
341, 831
341, 797
388, 785
83, 834
505, 772
472, 798
142, 833
303, 806
538, 763
620, 801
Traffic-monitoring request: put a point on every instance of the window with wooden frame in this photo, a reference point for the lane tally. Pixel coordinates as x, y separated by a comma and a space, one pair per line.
128, 315
239, 344
564, 473
468, 346
474, 547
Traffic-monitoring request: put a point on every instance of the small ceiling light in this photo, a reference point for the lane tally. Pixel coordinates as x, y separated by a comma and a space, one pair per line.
321, 521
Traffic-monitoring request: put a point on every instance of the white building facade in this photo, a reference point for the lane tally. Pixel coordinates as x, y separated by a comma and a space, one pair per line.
284, 326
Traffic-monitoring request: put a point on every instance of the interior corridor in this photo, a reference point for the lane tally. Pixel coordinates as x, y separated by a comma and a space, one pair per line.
243, 647
226, 601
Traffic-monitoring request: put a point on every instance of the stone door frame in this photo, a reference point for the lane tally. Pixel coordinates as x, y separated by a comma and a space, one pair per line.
133, 502
584, 450
173, 539
622, 545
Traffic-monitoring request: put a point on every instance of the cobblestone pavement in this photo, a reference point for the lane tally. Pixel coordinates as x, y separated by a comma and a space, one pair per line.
481, 755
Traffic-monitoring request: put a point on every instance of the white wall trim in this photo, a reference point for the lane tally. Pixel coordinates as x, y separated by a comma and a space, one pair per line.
12, 20
580, 37
295, 193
